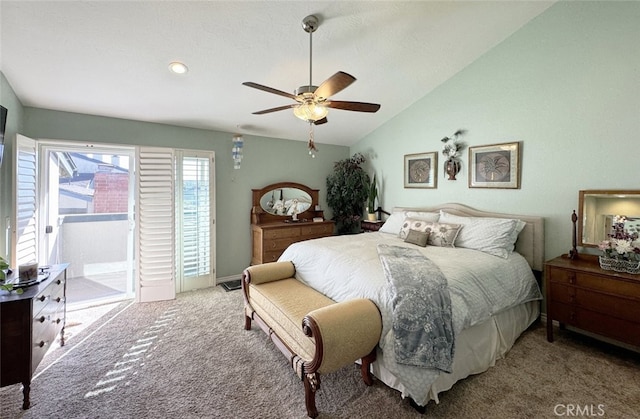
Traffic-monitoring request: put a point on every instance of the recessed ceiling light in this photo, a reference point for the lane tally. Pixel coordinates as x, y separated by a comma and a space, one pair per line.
178, 67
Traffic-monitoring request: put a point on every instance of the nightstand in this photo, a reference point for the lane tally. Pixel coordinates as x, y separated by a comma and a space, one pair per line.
367, 225
581, 294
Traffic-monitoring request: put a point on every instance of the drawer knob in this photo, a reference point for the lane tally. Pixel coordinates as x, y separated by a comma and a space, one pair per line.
58, 321
58, 299
572, 277
41, 344
58, 282
42, 298
41, 319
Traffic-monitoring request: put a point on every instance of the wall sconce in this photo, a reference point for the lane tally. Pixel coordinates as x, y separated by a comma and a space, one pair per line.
236, 150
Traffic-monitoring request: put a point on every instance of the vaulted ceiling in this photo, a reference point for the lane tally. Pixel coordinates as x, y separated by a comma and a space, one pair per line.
111, 58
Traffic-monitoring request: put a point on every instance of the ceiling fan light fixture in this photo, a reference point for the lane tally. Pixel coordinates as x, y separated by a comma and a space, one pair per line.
310, 111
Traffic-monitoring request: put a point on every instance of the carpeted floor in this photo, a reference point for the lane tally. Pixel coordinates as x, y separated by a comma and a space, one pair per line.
191, 358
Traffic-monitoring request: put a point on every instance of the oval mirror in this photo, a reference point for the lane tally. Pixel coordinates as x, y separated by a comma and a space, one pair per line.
285, 201
597, 208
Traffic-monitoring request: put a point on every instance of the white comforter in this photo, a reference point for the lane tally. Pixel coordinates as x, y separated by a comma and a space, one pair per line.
347, 267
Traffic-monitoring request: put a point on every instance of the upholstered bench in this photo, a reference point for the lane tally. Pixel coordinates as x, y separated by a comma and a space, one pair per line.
315, 333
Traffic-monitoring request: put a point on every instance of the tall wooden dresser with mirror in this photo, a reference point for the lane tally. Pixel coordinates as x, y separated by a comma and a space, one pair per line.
282, 214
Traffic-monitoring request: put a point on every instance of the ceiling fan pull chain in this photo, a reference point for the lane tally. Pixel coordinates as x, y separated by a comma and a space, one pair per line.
311, 145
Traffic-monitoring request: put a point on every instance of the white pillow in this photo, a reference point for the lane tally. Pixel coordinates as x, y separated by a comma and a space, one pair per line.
496, 236
396, 219
423, 215
393, 223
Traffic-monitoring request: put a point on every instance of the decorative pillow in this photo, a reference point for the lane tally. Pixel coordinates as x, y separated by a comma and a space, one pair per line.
394, 222
413, 224
443, 235
419, 238
496, 236
440, 234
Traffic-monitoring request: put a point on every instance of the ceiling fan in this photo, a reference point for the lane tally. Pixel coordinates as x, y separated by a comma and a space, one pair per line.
313, 102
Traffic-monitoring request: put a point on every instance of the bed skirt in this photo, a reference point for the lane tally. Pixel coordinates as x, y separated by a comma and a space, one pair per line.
477, 349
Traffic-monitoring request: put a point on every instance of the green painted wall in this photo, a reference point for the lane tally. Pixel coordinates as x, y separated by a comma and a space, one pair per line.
266, 160
15, 123
567, 85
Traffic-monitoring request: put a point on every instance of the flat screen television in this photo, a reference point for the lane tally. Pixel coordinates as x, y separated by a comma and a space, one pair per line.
3, 125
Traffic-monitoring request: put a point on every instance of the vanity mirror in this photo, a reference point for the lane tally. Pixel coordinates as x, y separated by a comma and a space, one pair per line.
596, 209
285, 201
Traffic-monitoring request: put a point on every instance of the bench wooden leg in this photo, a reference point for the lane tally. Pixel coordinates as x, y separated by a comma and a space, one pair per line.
247, 322
311, 385
364, 367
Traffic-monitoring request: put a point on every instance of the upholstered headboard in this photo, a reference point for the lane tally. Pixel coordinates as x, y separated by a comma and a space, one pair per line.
530, 242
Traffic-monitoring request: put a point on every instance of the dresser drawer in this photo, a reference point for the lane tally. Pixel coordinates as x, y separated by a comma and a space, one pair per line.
317, 230
54, 292
279, 233
606, 284
271, 256
271, 245
599, 323
604, 303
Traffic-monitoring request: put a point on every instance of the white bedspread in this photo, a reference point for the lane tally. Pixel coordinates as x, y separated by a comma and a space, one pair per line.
347, 267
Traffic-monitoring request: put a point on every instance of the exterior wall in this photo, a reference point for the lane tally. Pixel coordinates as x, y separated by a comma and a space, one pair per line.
111, 192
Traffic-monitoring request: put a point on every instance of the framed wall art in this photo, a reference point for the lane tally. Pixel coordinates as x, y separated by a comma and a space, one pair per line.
495, 166
420, 170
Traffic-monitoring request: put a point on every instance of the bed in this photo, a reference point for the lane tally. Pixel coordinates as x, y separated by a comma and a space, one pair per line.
490, 272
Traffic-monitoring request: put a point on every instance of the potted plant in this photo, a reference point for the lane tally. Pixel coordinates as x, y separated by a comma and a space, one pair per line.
347, 191
3, 275
371, 199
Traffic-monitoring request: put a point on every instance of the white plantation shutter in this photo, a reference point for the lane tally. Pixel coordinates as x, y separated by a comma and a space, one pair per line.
155, 237
195, 219
25, 231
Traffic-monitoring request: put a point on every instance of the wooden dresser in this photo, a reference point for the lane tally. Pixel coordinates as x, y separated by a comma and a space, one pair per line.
270, 240
582, 295
30, 323
274, 228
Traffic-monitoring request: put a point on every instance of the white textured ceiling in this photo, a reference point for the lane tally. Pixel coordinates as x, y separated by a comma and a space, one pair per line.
111, 58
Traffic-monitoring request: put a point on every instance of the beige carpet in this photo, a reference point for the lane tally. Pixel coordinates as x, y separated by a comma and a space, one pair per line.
191, 358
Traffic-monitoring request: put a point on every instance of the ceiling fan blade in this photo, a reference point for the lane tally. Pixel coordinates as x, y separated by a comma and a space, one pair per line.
279, 108
321, 121
269, 89
352, 106
334, 84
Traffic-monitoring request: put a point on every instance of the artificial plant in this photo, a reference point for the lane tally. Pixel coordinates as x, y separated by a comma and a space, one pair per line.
6, 287
347, 191
373, 195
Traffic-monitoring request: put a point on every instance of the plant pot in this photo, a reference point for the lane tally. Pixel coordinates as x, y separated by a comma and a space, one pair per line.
619, 265
372, 216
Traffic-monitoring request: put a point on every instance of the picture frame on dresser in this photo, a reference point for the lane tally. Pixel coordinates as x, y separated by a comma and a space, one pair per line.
495, 166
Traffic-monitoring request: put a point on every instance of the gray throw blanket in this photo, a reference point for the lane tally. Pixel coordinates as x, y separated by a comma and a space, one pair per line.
422, 324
